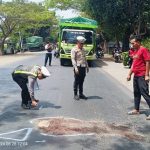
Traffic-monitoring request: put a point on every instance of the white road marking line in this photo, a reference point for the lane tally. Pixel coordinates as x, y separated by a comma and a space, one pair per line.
29, 130
31, 121
84, 134
40, 141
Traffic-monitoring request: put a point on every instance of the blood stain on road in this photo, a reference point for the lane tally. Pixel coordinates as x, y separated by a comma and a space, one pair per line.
70, 126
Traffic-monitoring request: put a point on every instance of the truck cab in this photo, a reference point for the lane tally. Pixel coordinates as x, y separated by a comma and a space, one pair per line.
69, 30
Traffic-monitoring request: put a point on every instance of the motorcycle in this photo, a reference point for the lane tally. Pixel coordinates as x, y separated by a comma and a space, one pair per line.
117, 56
56, 54
99, 53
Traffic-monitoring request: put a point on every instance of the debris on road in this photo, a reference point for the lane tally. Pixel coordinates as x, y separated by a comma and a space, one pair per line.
70, 126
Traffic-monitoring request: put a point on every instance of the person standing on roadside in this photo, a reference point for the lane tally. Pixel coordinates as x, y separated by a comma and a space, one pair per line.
80, 65
24, 75
140, 67
48, 55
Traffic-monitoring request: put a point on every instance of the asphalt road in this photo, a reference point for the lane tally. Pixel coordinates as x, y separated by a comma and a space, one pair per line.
108, 101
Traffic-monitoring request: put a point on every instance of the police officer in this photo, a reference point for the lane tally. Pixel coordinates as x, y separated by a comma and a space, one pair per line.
80, 65
29, 74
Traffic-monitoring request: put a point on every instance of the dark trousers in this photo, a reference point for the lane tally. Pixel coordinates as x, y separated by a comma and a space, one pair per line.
48, 56
22, 82
141, 88
78, 80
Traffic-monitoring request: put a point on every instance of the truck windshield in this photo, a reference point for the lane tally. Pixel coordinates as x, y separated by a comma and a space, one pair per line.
71, 36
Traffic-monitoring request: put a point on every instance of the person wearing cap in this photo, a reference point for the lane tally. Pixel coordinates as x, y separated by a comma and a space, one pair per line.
79, 62
29, 74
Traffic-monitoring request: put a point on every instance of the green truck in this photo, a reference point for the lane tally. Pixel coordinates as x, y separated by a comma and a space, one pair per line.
35, 43
69, 29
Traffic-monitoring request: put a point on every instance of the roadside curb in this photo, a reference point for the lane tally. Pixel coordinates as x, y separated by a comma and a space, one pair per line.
7, 59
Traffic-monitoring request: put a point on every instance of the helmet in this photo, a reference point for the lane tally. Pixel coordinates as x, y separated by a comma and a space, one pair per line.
45, 72
81, 39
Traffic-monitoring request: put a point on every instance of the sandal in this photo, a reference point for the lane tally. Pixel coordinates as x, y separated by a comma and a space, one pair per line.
133, 112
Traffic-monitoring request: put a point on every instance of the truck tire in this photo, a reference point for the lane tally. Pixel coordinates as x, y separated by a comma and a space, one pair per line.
62, 62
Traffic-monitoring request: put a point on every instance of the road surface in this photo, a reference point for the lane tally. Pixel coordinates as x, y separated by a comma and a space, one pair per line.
108, 103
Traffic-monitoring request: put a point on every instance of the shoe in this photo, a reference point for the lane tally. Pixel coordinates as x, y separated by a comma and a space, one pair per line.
82, 96
148, 117
76, 97
133, 112
25, 106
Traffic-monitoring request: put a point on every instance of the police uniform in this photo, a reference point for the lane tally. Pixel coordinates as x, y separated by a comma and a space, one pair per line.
28, 74
79, 63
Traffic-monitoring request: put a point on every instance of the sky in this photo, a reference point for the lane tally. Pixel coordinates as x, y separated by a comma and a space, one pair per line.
62, 14
66, 14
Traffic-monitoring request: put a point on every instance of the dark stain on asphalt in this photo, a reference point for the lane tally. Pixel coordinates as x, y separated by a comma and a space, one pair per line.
69, 126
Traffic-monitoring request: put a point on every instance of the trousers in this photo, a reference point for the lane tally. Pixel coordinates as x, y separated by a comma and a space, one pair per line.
22, 82
79, 80
48, 56
141, 88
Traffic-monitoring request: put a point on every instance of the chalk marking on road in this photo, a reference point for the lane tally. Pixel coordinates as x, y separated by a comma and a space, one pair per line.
31, 121
29, 130
87, 134
84, 134
43, 141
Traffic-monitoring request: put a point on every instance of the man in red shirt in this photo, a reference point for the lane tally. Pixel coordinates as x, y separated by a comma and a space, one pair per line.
140, 68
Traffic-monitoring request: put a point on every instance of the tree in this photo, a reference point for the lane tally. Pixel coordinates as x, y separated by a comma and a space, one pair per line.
120, 18
21, 16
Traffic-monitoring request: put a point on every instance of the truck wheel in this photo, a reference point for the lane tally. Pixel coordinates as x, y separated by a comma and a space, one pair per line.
62, 62
90, 63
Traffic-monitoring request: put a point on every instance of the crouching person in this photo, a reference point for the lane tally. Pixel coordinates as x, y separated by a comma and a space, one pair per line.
29, 74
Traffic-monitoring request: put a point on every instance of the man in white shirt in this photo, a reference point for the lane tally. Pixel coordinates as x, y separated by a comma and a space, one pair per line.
48, 55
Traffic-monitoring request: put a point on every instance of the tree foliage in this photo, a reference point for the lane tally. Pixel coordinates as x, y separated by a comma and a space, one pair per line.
120, 18
20, 16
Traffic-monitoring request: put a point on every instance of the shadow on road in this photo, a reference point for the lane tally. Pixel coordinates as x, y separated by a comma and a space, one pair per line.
94, 97
98, 63
14, 112
49, 105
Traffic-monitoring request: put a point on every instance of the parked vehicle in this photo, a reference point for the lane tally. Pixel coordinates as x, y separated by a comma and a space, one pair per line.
10, 48
117, 55
35, 43
99, 52
56, 54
